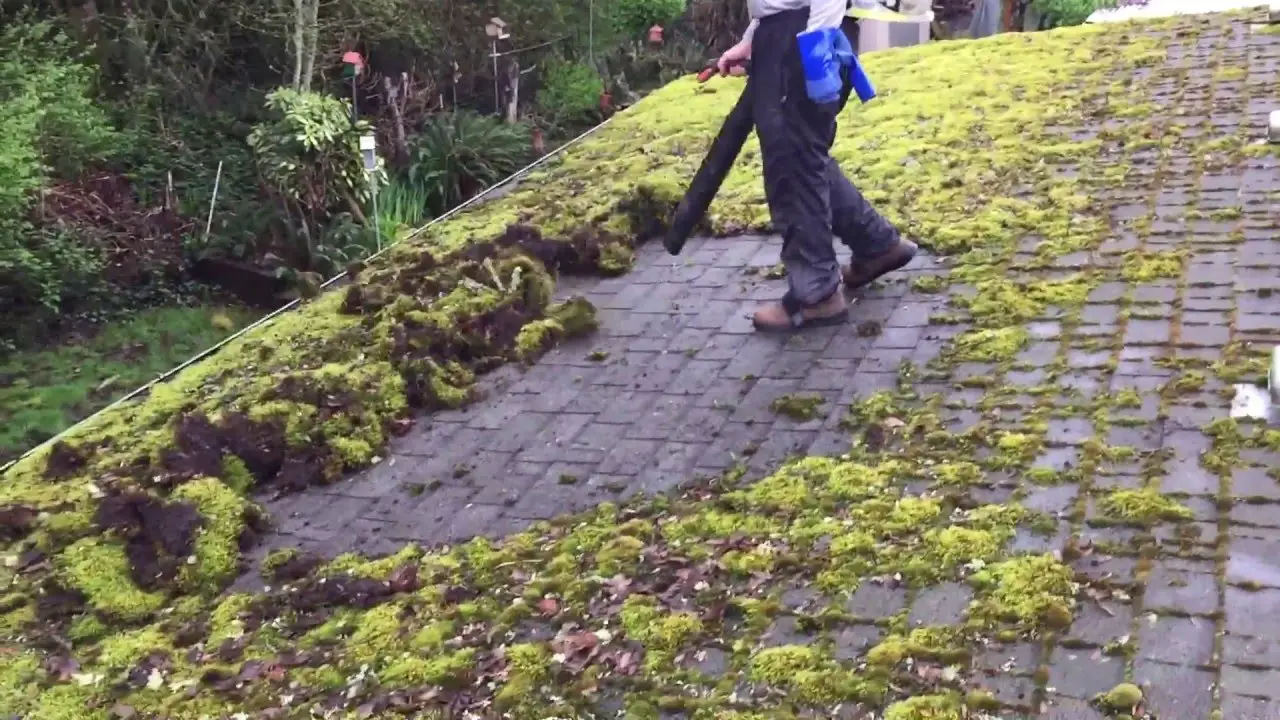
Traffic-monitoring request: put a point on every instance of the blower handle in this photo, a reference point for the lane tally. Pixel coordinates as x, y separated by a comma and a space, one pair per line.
712, 69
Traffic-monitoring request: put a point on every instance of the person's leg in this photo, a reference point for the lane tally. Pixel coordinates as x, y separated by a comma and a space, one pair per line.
876, 245
795, 135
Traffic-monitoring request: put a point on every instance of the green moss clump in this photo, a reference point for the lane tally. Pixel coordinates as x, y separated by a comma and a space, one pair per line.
785, 490
1224, 456
957, 474
927, 707
1003, 303
68, 702
953, 546
990, 345
1122, 698
1146, 266
1015, 449
277, 559
529, 667
809, 676
99, 569
330, 631
217, 544
16, 613
412, 671
225, 622
19, 674
662, 634
236, 475
536, 337
798, 407
122, 651
325, 677
1188, 381
929, 284
377, 635
432, 637
942, 644
86, 629
1144, 507
379, 569
530, 660
619, 555
912, 514
1030, 592
573, 318
982, 701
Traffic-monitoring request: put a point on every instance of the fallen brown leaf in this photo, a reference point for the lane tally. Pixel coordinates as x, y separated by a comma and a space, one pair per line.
404, 579
548, 606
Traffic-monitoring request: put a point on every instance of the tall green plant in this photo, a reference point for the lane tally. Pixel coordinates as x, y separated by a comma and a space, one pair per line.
308, 154
459, 154
400, 205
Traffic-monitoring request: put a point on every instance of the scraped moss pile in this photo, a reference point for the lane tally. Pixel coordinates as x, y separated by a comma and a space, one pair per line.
119, 543
615, 606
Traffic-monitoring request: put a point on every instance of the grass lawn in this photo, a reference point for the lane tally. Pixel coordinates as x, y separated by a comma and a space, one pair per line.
44, 391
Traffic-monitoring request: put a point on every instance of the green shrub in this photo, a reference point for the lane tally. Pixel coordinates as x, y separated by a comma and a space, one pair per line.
179, 152
570, 93
459, 154
52, 129
636, 16
308, 154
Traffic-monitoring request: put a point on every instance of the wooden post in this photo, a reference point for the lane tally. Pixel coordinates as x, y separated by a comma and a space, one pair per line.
1007, 23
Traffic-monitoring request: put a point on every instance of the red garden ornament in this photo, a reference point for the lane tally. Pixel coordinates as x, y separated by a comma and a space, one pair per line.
655, 35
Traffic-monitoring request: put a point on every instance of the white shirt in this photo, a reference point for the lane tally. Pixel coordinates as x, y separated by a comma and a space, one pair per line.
822, 13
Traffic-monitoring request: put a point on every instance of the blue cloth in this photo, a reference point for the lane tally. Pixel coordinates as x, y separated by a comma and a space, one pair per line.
824, 54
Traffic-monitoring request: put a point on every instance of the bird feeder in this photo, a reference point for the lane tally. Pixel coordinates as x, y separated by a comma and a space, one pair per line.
368, 147
352, 64
496, 29
655, 35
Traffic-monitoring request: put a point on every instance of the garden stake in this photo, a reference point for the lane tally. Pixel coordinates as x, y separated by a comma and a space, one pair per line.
213, 199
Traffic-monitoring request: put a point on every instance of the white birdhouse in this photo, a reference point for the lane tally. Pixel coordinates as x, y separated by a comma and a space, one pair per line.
496, 29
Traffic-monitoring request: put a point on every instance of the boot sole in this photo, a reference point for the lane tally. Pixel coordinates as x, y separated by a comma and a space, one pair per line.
839, 318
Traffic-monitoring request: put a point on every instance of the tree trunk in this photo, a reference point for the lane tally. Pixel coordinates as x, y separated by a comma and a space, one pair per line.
397, 96
513, 90
306, 19
299, 38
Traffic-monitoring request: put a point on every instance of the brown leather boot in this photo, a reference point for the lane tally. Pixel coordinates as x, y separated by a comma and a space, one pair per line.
788, 316
859, 274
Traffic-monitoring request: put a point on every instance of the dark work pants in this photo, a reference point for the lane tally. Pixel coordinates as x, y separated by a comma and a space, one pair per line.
810, 199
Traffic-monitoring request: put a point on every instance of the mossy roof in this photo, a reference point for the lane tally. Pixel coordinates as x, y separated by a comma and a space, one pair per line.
1056, 172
